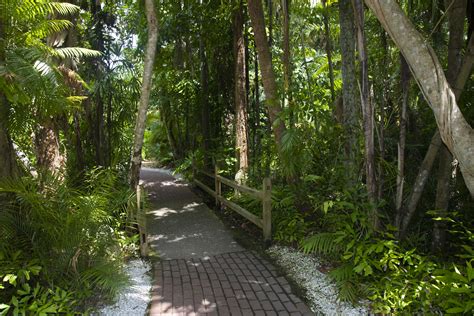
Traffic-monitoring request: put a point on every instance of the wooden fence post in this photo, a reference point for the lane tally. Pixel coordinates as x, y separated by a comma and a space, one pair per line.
267, 209
141, 222
218, 186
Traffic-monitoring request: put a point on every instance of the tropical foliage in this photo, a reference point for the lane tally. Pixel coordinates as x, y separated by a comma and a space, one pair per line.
313, 94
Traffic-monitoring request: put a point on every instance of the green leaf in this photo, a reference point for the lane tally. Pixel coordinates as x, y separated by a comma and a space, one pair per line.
455, 310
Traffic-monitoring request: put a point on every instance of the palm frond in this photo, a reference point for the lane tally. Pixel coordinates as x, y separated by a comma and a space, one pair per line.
75, 52
48, 27
28, 9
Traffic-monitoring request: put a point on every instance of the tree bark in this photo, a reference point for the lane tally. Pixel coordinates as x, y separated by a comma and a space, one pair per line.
150, 53
456, 18
405, 83
328, 47
8, 166
240, 95
98, 98
48, 153
455, 131
383, 103
204, 98
422, 177
285, 4
268, 75
256, 126
349, 87
367, 111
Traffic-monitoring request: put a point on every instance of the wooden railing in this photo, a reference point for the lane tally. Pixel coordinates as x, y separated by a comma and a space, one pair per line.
264, 195
141, 221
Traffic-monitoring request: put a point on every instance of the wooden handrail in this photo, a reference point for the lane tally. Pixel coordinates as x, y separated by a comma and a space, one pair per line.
241, 188
264, 195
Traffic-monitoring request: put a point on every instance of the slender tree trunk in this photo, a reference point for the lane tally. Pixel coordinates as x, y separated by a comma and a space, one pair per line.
98, 44
204, 98
456, 19
8, 166
368, 112
150, 53
328, 47
405, 83
349, 87
240, 95
268, 75
306, 69
422, 177
455, 131
288, 102
383, 103
257, 143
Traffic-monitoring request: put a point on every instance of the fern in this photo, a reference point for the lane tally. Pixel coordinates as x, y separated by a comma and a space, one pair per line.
347, 282
324, 243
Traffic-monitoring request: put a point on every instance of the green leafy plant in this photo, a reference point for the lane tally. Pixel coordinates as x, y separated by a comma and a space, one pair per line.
23, 293
73, 234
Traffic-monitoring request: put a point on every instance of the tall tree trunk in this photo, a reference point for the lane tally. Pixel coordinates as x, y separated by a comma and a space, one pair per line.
306, 69
455, 131
328, 47
349, 88
456, 19
240, 95
48, 153
383, 103
368, 112
98, 44
268, 75
8, 166
422, 177
150, 53
270, 22
204, 98
256, 126
405, 83
288, 102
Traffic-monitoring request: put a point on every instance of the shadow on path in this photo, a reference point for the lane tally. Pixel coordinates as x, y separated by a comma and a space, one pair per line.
202, 270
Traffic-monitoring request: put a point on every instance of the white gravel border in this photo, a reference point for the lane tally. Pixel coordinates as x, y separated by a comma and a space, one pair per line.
134, 299
321, 292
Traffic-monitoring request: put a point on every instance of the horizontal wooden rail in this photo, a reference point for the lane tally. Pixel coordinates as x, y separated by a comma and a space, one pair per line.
241, 188
205, 187
251, 217
206, 173
264, 195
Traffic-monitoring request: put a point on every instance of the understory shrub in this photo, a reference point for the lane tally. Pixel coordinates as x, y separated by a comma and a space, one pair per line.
395, 279
63, 245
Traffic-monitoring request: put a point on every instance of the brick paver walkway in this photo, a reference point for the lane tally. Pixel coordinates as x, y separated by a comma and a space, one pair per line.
238, 283
203, 271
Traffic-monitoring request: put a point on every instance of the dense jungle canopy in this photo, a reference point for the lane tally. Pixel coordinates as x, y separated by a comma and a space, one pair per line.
359, 111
